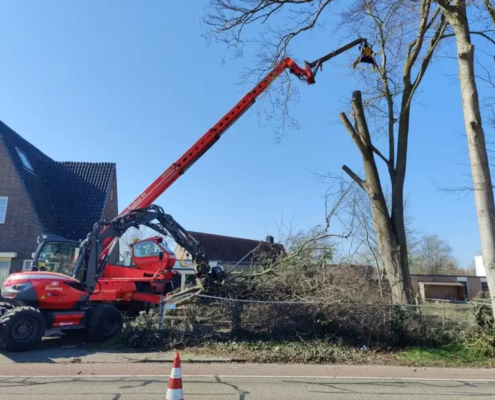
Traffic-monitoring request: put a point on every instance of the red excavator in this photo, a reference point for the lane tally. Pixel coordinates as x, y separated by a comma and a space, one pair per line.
83, 294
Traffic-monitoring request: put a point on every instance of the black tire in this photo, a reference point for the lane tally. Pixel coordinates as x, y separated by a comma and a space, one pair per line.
103, 322
22, 328
5, 307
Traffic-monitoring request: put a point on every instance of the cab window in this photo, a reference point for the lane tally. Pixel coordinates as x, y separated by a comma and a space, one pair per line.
58, 257
147, 248
164, 246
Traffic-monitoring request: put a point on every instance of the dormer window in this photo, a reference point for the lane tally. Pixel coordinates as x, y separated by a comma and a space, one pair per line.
25, 161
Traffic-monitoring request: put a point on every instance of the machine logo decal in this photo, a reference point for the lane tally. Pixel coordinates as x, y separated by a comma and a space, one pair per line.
54, 286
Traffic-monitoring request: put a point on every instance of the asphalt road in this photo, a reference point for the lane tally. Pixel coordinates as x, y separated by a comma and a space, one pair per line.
239, 388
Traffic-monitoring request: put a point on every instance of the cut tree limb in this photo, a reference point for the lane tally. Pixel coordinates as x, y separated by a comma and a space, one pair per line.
355, 177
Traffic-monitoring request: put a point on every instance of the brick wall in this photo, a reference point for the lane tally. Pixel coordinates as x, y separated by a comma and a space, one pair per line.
21, 228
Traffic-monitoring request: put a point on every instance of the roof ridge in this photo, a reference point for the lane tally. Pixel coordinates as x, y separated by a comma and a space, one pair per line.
230, 237
14, 133
87, 162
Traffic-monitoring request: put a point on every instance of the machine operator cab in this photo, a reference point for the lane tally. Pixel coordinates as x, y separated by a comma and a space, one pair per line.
151, 254
56, 254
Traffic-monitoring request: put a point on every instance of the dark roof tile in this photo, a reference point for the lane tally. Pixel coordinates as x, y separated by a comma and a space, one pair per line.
68, 197
78, 192
232, 249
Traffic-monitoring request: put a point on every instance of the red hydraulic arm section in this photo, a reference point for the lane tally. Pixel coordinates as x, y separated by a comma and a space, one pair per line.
172, 173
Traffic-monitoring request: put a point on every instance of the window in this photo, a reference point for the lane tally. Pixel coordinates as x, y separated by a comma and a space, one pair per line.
164, 246
26, 265
4, 269
25, 160
3, 209
147, 248
58, 257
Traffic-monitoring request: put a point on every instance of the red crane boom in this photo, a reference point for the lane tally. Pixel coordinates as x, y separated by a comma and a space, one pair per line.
172, 173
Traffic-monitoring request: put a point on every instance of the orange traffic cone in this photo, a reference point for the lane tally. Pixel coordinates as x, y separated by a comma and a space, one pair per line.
174, 391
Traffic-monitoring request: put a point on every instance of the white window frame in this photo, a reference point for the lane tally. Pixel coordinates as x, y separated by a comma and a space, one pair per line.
26, 163
24, 265
6, 207
9, 261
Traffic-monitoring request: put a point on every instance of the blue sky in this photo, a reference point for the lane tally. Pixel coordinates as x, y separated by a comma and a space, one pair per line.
135, 83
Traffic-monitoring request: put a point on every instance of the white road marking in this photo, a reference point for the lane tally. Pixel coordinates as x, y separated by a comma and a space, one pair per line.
249, 377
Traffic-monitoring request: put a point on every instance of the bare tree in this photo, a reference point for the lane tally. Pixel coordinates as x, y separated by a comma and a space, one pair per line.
391, 23
434, 256
389, 246
456, 15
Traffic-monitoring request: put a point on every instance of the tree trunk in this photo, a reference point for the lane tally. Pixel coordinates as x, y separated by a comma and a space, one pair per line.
399, 227
482, 182
390, 251
388, 244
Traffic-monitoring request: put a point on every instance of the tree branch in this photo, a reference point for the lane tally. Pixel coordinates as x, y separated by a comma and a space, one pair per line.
364, 133
388, 95
472, 33
304, 247
445, 4
352, 132
379, 154
437, 36
417, 44
230, 17
355, 177
288, 37
491, 9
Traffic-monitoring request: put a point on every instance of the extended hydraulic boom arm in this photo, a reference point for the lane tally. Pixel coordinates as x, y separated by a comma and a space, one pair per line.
172, 173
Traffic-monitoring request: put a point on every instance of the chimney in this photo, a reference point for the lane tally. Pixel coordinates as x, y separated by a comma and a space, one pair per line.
270, 239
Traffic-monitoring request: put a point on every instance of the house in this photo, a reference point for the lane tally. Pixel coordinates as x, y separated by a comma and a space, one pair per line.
456, 288
228, 250
41, 195
449, 287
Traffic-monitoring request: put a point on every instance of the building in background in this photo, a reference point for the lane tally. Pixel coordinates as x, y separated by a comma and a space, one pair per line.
41, 195
455, 288
230, 251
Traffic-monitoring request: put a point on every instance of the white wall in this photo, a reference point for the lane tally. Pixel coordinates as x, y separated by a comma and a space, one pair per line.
480, 268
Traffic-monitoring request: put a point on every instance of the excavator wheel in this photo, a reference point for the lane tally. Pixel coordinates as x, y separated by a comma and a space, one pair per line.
103, 322
22, 328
